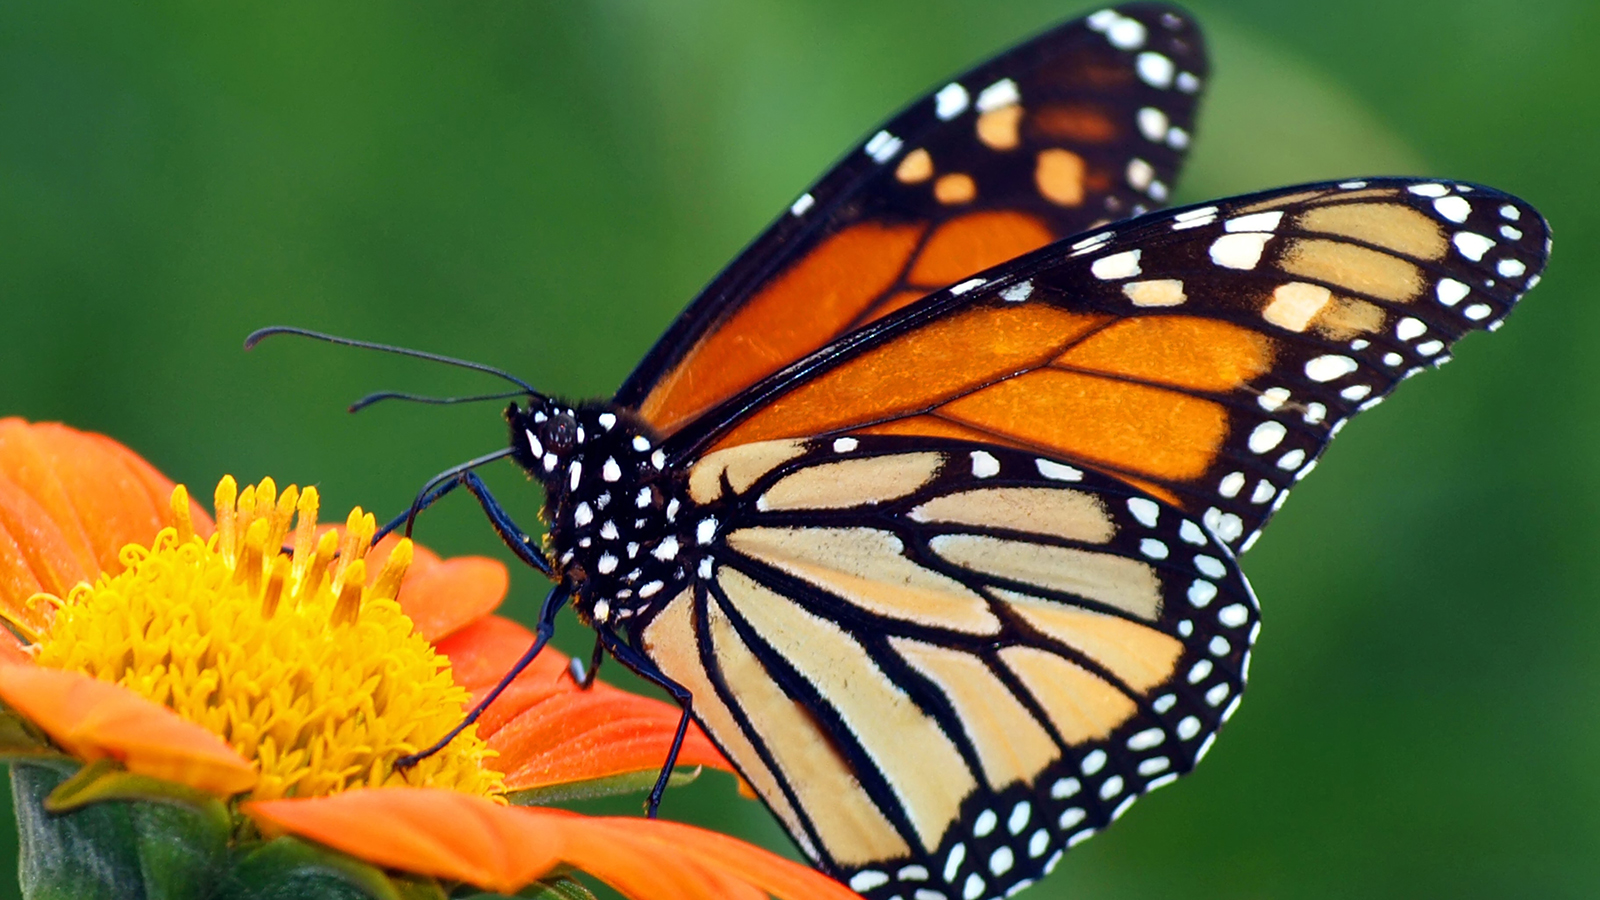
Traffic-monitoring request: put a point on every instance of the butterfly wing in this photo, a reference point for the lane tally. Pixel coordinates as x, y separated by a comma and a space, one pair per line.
943, 663
1083, 124
1204, 356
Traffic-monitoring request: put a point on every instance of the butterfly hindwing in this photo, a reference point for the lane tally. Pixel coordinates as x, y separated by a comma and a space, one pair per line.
1205, 356
942, 663
1086, 123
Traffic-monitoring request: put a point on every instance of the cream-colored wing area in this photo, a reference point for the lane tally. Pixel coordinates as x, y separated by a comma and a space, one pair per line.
1140, 657
920, 763
1117, 581
1082, 706
1012, 746
671, 643
868, 567
852, 482
740, 466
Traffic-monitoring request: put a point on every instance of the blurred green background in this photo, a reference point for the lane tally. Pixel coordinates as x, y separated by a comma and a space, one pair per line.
542, 185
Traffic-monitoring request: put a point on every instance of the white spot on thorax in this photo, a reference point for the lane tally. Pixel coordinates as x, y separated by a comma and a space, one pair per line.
583, 515
534, 445
575, 471
611, 471
705, 531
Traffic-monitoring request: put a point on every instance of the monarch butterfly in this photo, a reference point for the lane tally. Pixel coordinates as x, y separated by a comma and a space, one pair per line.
928, 507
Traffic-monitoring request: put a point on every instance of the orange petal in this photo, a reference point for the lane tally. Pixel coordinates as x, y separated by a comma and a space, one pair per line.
94, 719
429, 831
444, 596
548, 730
577, 735
481, 653
458, 836
647, 859
69, 501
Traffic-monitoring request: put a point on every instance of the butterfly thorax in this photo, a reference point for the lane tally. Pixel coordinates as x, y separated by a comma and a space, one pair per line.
612, 506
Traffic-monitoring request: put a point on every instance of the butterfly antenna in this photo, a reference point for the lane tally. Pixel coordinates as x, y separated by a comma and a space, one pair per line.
381, 396
262, 334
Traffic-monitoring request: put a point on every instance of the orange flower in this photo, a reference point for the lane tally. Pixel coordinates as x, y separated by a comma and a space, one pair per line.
198, 654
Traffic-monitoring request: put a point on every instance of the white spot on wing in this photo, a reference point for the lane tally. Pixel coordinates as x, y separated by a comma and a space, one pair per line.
1454, 208
1239, 251
1329, 367
883, 146
1018, 292
951, 101
1155, 69
1152, 123
1262, 221
1057, 471
800, 206
1450, 291
984, 465
999, 95
1117, 265
1471, 244
967, 285
1145, 510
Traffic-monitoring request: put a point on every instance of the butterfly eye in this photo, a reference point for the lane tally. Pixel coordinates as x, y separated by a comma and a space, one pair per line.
559, 432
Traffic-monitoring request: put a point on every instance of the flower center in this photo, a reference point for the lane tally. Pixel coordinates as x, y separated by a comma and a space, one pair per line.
293, 658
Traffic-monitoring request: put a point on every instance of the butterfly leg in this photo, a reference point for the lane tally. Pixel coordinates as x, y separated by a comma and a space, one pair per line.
647, 670
553, 602
582, 676
430, 492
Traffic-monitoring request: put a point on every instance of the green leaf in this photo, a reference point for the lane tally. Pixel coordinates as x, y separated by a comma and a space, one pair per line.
615, 785
556, 889
291, 869
183, 849
413, 887
90, 854
20, 740
104, 780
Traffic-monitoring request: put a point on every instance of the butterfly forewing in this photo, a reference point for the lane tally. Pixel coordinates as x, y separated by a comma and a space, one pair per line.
1086, 123
1205, 356
943, 663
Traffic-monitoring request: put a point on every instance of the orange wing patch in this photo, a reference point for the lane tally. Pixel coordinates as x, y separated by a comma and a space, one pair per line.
973, 243
1117, 394
833, 285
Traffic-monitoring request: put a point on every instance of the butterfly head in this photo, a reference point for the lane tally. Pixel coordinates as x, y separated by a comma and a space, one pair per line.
610, 501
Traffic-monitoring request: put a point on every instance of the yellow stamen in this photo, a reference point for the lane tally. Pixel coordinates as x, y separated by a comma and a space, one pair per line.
322, 681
